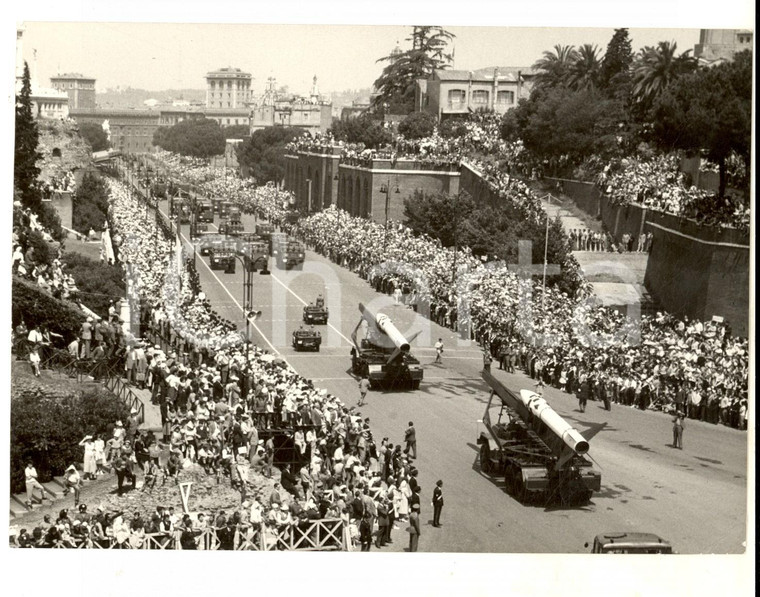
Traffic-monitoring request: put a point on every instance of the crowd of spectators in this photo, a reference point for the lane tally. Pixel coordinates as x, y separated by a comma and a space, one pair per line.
571, 334
217, 402
657, 183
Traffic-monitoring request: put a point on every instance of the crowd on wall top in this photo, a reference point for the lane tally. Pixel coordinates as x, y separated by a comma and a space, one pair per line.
654, 181
657, 183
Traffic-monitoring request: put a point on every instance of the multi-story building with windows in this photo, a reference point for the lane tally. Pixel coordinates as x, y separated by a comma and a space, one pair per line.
451, 93
720, 45
80, 89
228, 89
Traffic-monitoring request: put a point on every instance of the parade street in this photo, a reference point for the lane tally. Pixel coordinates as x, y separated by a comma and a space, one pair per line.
696, 497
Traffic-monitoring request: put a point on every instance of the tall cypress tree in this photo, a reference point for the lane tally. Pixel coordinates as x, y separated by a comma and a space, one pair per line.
25, 170
617, 62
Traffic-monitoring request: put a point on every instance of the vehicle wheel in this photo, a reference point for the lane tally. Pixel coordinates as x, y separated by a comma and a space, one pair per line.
416, 384
485, 461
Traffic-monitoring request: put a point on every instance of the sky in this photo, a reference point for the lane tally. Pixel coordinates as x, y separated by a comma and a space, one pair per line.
142, 53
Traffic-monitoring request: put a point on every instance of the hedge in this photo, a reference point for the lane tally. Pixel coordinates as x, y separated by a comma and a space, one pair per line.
46, 428
37, 307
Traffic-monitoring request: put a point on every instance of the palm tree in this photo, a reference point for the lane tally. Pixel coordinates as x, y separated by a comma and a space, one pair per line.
554, 66
655, 68
585, 71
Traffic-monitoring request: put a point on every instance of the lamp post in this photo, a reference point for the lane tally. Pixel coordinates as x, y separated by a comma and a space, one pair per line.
385, 190
249, 313
308, 197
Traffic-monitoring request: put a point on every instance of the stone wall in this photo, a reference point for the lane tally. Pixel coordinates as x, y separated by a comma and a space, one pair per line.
692, 270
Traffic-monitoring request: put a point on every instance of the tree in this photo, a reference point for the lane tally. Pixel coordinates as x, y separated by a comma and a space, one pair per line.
90, 204
417, 125
237, 131
94, 135
25, 170
263, 153
201, 138
709, 111
656, 67
364, 129
563, 126
554, 67
396, 84
615, 69
584, 72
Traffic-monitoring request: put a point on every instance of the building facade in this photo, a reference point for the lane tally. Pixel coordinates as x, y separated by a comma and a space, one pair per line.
130, 131
720, 45
373, 188
452, 93
80, 89
228, 88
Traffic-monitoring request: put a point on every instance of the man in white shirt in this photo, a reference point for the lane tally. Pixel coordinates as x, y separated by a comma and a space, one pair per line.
30, 474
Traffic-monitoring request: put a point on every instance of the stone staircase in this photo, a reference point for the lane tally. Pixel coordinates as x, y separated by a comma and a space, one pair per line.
53, 493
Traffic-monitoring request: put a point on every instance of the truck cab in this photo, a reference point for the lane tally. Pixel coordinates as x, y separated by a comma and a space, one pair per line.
629, 542
222, 257
204, 212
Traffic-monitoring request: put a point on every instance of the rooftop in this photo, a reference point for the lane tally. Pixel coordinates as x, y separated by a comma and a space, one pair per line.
506, 73
72, 76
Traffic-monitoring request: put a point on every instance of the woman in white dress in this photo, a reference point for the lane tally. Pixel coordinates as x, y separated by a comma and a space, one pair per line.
90, 467
99, 447
405, 493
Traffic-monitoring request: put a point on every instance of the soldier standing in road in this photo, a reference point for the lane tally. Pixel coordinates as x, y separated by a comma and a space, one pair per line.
437, 503
410, 437
678, 430
363, 389
438, 350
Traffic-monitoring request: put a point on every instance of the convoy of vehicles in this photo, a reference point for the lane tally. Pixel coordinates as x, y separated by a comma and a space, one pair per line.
383, 354
537, 451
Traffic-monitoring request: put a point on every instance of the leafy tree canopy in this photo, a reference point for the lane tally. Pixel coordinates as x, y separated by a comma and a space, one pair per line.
396, 84
94, 135
200, 138
263, 153
709, 111
364, 129
417, 125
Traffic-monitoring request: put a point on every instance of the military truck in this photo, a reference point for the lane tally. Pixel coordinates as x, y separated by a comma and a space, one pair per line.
231, 227
255, 255
316, 312
383, 355
222, 257
204, 212
539, 454
306, 339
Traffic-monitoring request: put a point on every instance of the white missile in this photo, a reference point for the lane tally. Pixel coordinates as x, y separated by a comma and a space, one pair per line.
541, 410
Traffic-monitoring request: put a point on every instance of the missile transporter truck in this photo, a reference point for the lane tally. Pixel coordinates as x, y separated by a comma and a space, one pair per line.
383, 355
541, 456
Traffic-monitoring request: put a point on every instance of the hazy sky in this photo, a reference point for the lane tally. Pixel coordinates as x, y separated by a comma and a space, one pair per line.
161, 55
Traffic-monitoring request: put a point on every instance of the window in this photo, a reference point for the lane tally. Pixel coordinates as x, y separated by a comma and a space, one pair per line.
480, 97
505, 97
457, 98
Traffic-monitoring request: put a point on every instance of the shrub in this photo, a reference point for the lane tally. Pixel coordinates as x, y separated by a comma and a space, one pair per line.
46, 428
417, 125
98, 282
90, 204
36, 307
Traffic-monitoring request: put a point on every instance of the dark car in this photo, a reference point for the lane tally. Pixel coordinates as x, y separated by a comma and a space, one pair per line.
628, 542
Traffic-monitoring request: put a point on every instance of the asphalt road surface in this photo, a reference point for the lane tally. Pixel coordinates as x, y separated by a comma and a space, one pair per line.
695, 497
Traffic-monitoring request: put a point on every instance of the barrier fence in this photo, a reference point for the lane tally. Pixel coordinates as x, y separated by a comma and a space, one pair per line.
329, 534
